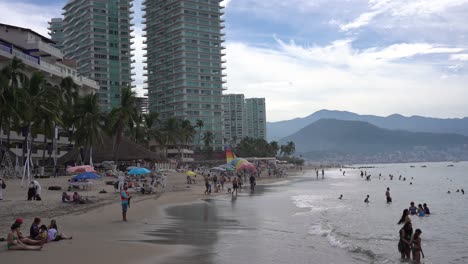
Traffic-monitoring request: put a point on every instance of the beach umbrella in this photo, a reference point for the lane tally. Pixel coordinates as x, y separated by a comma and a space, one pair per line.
139, 171
190, 173
218, 169
131, 168
86, 176
83, 168
248, 166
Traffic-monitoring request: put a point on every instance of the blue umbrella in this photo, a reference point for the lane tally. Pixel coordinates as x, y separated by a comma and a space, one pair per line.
139, 171
86, 176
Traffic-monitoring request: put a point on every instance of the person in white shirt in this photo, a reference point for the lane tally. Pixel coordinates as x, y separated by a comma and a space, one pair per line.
38, 189
121, 182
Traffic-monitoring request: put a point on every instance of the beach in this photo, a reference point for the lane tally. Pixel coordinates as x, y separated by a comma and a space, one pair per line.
97, 229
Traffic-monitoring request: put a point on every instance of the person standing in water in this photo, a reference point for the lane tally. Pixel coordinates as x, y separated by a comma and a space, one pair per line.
404, 245
367, 199
416, 246
323, 174
421, 211
426, 209
405, 217
413, 209
387, 194
316, 172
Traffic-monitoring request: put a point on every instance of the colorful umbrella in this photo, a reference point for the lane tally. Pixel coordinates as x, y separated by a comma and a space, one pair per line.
139, 171
190, 173
86, 176
218, 169
84, 168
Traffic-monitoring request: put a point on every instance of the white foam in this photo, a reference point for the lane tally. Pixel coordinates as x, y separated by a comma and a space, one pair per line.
308, 201
326, 232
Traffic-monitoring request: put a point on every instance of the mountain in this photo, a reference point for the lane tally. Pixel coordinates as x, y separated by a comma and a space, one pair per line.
357, 141
278, 130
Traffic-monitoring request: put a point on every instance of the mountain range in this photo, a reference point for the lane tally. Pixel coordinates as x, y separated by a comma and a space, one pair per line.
357, 141
279, 130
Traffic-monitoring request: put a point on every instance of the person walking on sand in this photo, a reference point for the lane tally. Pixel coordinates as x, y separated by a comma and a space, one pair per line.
121, 180
253, 182
416, 246
387, 194
234, 185
125, 199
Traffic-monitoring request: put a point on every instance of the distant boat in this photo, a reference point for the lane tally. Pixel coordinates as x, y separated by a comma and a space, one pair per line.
450, 165
412, 166
423, 166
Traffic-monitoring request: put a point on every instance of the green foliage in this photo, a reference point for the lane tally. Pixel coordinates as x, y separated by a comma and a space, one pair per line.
250, 147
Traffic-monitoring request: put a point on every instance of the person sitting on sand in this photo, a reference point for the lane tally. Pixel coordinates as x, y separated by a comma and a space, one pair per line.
421, 211
77, 198
53, 233
426, 209
416, 246
367, 199
66, 197
13, 241
404, 246
22, 238
405, 217
413, 209
34, 231
43, 233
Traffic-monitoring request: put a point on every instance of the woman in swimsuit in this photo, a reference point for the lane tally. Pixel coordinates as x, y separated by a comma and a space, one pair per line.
13, 242
416, 246
405, 217
405, 241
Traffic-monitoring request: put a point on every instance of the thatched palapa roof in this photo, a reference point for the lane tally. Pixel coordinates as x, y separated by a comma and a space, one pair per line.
127, 151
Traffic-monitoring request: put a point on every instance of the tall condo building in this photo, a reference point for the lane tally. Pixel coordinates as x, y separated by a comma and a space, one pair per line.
234, 118
96, 33
255, 117
244, 118
56, 32
185, 62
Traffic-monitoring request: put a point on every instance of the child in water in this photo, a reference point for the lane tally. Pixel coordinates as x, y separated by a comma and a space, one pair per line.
421, 211
416, 246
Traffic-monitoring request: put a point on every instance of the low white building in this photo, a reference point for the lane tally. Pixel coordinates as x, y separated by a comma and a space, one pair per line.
38, 54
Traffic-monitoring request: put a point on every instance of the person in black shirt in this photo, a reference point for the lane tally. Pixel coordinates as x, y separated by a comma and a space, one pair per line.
252, 183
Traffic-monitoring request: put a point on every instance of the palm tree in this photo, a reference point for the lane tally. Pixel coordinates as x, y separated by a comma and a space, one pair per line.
171, 131
290, 148
187, 132
208, 139
123, 117
149, 122
89, 123
199, 124
274, 147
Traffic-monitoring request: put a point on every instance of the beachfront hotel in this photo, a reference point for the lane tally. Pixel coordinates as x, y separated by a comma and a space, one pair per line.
234, 118
97, 34
39, 54
244, 117
255, 117
184, 62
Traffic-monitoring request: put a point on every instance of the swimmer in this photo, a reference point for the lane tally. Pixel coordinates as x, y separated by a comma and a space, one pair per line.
413, 209
367, 199
410, 183
448, 192
421, 211
426, 209
341, 197
463, 191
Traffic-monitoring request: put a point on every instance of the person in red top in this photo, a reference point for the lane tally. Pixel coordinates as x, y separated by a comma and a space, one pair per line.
125, 198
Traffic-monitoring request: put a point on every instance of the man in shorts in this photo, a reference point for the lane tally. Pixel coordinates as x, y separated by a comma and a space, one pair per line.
125, 198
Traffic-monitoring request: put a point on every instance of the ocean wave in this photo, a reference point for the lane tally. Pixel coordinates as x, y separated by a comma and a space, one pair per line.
308, 201
326, 231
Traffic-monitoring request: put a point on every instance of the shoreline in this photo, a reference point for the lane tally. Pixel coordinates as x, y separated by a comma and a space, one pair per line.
98, 229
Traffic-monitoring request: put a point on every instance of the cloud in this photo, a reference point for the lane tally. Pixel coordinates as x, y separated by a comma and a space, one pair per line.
460, 57
338, 76
401, 8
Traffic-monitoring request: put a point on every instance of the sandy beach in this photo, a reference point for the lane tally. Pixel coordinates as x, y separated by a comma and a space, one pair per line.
97, 230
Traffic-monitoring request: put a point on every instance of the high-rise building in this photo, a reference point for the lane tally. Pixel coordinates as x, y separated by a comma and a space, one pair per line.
56, 32
255, 117
234, 118
142, 105
185, 62
97, 34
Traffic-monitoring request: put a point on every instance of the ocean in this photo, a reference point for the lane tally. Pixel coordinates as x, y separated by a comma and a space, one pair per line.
301, 219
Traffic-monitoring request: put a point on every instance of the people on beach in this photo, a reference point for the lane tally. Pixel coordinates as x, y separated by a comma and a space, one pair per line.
367, 199
405, 217
125, 200
34, 191
121, 180
421, 211
77, 198
253, 182
66, 197
215, 183
416, 246
24, 239
234, 185
53, 234
387, 194
2, 186
413, 209
207, 185
34, 230
14, 242
404, 245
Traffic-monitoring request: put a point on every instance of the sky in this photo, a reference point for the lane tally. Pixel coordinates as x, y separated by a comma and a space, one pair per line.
370, 57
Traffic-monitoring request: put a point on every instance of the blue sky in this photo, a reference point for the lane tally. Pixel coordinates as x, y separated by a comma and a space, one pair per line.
371, 57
